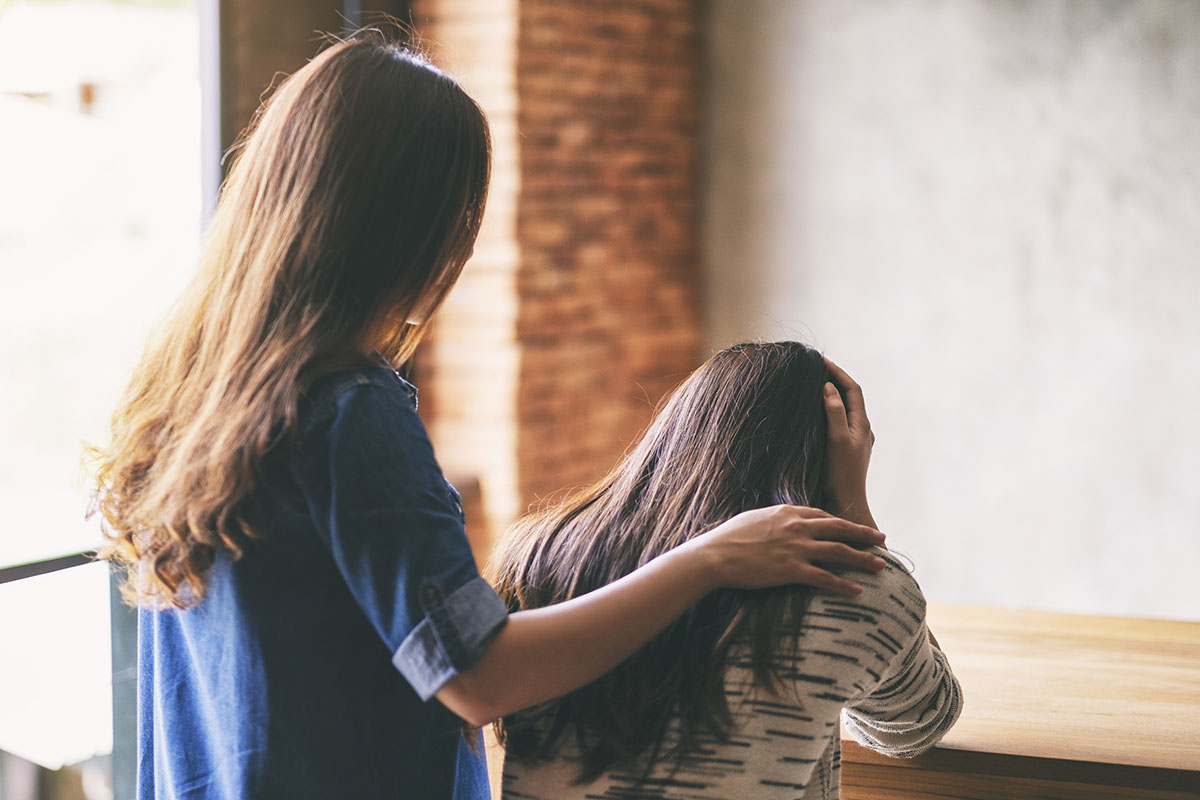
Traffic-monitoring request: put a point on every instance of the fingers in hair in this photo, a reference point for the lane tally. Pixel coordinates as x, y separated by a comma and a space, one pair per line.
856, 407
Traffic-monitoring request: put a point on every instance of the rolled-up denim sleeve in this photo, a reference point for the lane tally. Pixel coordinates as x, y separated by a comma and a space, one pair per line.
395, 530
453, 633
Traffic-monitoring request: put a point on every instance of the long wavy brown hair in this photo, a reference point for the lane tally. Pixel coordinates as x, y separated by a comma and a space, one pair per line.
352, 205
745, 430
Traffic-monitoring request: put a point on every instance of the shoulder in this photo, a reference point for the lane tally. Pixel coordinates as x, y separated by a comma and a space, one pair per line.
364, 424
358, 394
893, 590
886, 620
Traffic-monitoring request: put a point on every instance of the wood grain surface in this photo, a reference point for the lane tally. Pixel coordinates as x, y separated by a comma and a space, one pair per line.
1056, 706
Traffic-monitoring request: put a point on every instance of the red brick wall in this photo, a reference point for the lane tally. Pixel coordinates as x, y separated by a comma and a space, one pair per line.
580, 308
608, 315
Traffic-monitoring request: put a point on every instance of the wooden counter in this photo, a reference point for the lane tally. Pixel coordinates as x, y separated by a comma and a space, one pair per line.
1055, 706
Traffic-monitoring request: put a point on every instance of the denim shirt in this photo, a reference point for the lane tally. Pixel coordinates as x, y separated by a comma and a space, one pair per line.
309, 667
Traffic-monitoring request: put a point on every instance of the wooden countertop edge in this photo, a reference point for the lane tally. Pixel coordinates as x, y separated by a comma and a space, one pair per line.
949, 760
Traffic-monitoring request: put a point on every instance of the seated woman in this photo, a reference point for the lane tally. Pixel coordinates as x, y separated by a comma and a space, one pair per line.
742, 697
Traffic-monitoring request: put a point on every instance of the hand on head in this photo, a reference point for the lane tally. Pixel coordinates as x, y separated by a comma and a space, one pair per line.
850, 444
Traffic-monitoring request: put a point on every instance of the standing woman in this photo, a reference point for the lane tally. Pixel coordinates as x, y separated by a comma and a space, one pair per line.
306, 588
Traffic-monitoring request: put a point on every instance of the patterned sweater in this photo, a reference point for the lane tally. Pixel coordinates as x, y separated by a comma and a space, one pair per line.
867, 662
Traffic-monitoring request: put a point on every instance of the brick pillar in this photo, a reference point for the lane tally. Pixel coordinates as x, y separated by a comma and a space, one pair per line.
468, 370
608, 308
580, 308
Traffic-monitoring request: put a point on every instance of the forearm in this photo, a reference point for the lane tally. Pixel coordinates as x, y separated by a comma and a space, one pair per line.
544, 653
912, 713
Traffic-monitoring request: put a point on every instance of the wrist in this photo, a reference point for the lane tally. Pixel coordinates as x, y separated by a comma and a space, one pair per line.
700, 563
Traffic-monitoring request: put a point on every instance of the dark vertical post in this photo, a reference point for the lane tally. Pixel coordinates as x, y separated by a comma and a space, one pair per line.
124, 692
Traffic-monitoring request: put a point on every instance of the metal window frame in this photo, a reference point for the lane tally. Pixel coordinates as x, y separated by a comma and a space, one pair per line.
32, 569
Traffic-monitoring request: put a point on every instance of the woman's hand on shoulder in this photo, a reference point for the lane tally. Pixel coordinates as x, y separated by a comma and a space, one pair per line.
850, 442
787, 544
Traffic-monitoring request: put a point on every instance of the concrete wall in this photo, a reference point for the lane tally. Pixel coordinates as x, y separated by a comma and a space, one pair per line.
989, 212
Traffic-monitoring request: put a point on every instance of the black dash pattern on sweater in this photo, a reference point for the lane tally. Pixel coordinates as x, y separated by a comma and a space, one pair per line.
866, 663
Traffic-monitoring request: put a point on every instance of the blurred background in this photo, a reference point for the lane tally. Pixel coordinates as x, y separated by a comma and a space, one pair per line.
987, 211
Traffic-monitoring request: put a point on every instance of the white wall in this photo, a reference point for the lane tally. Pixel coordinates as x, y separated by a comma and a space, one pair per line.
989, 212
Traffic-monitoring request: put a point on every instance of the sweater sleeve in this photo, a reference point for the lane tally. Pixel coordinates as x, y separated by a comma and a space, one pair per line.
916, 699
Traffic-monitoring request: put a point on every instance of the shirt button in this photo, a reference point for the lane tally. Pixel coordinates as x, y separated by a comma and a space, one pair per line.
430, 596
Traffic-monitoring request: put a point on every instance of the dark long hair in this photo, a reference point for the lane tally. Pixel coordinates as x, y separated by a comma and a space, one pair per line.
354, 202
745, 430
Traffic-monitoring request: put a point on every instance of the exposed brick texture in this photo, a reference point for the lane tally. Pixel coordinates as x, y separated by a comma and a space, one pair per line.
580, 308
607, 322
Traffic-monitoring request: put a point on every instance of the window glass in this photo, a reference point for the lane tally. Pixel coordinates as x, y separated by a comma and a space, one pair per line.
99, 226
55, 680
